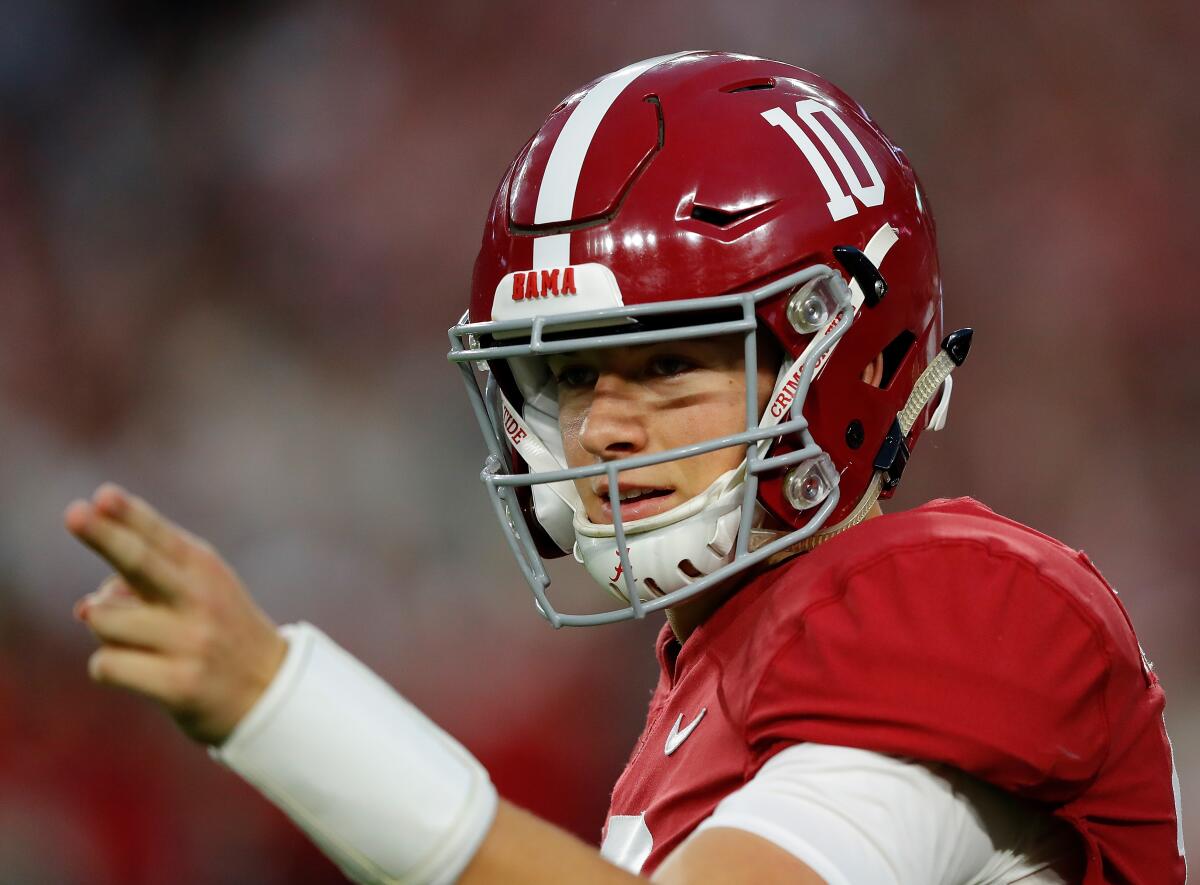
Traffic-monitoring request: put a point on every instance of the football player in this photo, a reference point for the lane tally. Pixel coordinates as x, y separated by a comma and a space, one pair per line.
704, 337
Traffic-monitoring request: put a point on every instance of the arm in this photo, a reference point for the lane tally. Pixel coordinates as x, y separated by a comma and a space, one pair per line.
175, 624
720, 855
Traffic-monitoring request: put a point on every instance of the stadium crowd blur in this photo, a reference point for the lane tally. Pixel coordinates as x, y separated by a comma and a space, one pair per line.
232, 236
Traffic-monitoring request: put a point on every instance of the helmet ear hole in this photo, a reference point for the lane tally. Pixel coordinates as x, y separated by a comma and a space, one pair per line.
872, 372
893, 357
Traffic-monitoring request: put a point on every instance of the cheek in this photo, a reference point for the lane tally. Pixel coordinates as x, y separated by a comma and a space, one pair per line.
720, 416
727, 413
570, 426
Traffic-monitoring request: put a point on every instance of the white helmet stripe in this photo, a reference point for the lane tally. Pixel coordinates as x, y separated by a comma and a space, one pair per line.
556, 196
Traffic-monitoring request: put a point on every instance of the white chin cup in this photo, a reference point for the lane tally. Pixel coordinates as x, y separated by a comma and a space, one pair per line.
701, 531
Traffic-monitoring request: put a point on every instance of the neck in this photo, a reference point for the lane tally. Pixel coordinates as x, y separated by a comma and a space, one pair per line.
687, 616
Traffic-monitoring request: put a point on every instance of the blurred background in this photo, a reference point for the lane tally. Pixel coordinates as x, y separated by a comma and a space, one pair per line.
232, 236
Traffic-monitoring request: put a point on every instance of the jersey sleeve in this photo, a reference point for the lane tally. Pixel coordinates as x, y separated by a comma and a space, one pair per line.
856, 816
951, 651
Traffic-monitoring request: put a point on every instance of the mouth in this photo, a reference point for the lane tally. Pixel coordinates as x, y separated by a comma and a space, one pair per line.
635, 502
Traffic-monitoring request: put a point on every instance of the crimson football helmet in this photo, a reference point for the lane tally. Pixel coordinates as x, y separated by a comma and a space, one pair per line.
698, 194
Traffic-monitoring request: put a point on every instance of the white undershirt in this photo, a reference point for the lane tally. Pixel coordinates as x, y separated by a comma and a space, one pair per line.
855, 816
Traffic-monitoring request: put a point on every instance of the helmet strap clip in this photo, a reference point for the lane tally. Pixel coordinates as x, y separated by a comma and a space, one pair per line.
864, 272
892, 457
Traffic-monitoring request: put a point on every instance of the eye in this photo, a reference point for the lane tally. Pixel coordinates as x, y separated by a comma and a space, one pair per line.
575, 377
668, 365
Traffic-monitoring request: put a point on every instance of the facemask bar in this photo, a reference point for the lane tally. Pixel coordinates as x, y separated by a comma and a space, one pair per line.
502, 483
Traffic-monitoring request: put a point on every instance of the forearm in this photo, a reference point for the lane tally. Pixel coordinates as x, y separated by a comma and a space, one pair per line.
383, 791
522, 848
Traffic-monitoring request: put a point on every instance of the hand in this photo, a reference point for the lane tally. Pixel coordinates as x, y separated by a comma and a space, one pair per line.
175, 623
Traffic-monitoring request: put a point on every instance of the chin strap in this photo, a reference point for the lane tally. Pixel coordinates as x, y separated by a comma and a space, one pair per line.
761, 537
952, 354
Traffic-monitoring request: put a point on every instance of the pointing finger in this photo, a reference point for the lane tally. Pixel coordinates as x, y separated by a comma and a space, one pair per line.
144, 566
127, 508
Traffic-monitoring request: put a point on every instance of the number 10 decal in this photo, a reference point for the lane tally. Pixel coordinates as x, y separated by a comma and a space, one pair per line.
841, 205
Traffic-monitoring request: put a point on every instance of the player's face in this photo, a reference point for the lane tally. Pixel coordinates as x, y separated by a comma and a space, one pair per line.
624, 401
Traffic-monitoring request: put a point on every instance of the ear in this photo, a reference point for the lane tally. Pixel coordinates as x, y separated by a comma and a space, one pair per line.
873, 371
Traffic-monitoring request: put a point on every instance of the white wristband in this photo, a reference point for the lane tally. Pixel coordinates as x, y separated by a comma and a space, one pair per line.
386, 794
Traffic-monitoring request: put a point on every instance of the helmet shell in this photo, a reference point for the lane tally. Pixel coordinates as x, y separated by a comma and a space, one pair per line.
686, 190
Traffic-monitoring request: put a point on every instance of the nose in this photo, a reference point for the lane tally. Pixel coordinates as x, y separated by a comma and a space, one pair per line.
614, 426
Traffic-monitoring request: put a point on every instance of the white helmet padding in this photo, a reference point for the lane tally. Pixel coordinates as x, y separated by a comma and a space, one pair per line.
668, 550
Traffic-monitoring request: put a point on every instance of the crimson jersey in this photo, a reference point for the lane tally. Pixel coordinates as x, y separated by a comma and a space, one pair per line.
947, 634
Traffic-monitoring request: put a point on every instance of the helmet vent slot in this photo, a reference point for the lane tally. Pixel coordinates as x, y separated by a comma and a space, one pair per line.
724, 218
750, 85
893, 356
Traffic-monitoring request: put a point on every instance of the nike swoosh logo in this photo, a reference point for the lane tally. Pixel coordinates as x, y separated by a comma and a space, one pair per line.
677, 737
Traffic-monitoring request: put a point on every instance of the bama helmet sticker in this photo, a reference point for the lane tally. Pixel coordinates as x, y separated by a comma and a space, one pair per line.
554, 291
